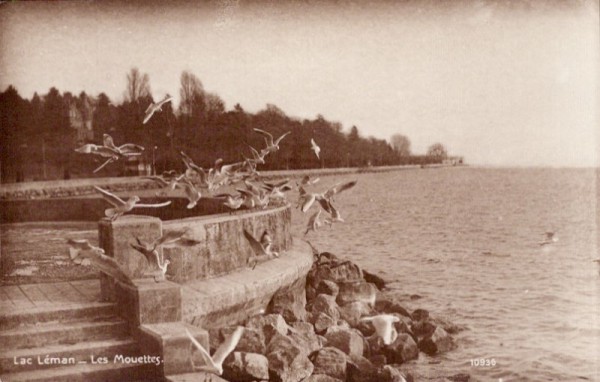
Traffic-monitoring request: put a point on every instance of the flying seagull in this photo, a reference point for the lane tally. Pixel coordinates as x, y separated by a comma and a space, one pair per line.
314, 223
191, 193
384, 326
214, 364
154, 107
120, 206
263, 247
272, 146
170, 237
314, 147
110, 150
83, 253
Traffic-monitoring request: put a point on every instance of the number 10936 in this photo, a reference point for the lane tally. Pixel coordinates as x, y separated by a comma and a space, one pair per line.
483, 362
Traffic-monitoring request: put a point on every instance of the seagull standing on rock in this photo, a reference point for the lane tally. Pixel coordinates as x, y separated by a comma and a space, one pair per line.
120, 206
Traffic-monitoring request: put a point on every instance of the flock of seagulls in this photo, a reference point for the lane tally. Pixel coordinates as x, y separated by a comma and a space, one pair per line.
250, 191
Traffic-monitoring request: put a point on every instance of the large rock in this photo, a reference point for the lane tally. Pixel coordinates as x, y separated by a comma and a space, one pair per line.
390, 374
325, 303
351, 291
360, 369
328, 287
304, 334
269, 324
290, 302
322, 322
347, 340
402, 349
352, 312
334, 271
242, 367
375, 345
252, 341
330, 361
374, 279
420, 314
423, 328
437, 342
322, 378
288, 361
388, 306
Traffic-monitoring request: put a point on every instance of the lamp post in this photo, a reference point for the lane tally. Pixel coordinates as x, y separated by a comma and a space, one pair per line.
154, 160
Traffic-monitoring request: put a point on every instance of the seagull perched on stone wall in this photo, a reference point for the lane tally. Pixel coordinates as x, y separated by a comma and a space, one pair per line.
83, 253
154, 107
120, 206
214, 364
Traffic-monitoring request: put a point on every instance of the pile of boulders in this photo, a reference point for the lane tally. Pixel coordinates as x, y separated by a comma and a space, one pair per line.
320, 337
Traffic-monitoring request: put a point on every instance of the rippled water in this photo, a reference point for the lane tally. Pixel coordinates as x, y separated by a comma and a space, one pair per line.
467, 241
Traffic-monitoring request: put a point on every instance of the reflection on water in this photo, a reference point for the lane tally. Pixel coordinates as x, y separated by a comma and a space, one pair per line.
467, 241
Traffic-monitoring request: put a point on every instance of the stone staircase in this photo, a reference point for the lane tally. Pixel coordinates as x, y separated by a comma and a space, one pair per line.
69, 343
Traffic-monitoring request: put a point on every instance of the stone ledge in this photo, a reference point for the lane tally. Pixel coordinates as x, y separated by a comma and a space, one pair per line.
231, 298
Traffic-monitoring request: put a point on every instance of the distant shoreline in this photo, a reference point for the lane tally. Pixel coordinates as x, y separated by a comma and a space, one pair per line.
84, 186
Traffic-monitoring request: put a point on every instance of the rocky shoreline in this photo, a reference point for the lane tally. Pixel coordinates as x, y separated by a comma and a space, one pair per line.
318, 336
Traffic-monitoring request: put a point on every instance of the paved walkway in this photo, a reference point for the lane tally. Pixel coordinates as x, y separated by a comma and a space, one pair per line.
31, 296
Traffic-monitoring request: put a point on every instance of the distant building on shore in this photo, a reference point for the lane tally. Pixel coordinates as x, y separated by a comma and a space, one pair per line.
453, 161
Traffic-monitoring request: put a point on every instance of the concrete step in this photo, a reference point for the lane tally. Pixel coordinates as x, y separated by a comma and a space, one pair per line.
59, 355
70, 332
112, 372
65, 312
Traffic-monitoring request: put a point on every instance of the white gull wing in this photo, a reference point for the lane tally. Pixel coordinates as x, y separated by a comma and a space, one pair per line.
307, 202
256, 246
107, 141
280, 138
267, 135
314, 147
227, 346
339, 188
111, 198
383, 326
211, 367
155, 205
110, 160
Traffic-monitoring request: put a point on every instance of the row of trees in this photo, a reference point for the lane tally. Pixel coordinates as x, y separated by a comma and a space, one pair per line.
38, 135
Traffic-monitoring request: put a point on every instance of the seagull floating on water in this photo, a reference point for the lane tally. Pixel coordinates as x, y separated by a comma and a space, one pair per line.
550, 239
83, 253
314, 147
214, 364
120, 206
154, 107
384, 326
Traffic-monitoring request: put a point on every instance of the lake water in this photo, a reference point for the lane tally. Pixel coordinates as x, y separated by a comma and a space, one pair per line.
467, 241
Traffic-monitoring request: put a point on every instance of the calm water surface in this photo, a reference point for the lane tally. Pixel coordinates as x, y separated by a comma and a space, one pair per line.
467, 241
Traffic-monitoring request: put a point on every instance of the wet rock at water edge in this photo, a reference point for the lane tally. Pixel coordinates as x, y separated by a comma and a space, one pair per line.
437, 342
388, 306
330, 361
374, 279
422, 328
347, 340
420, 315
402, 349
241, 366
360, 369
388, 373
461, 377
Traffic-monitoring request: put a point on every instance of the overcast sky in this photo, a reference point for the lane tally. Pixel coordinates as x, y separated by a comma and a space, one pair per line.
502, 83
